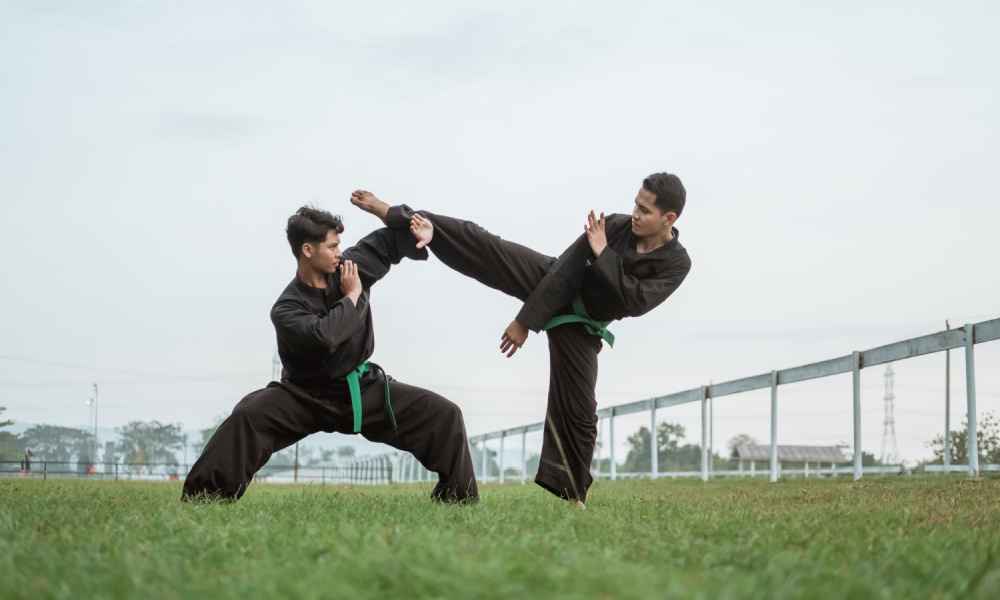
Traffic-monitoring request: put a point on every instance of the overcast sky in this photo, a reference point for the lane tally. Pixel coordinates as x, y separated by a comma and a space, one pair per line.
840, 162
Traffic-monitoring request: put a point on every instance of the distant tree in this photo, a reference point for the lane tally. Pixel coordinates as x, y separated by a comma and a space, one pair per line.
149, 442
324, 456
670, 455
740, 440
286, 457
531, 464
59, 444
206, 434
11, 446
345, 452
987, 435
868, 460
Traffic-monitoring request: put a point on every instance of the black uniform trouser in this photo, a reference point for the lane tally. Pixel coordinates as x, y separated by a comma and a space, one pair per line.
268, 420
571, 417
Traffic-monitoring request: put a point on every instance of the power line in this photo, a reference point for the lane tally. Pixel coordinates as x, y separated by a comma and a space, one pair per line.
119, 371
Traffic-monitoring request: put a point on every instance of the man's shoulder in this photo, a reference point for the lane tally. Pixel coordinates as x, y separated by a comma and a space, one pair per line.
290, 295
617, 219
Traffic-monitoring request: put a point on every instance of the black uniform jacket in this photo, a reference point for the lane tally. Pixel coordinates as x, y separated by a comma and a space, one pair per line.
322, 335
617, 284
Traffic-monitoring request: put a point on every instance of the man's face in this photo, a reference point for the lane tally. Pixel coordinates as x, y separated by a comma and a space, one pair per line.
647, 220
324, 256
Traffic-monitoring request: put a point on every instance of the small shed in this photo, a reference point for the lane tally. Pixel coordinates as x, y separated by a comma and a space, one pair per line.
754, 453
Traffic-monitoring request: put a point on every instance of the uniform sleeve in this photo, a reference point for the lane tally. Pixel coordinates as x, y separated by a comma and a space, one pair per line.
381, 249
309, 333
629, 295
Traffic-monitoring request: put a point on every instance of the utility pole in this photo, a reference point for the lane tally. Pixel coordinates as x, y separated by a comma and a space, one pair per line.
94, 455
296, 478
947, 405
890, 449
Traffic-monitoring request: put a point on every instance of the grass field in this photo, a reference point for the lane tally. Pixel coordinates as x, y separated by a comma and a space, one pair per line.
887, 537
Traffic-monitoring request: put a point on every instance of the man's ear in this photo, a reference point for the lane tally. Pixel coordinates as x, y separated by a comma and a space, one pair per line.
670, 218
307, 250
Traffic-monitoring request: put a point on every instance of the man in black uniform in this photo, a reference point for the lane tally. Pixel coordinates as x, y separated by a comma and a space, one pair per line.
325, 335
621, 267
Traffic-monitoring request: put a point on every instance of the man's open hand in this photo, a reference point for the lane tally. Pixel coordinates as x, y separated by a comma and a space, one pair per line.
422, 229
513, 338
595, 233
350, 282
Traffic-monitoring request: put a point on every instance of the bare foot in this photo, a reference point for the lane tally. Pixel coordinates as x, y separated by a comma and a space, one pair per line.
367, 202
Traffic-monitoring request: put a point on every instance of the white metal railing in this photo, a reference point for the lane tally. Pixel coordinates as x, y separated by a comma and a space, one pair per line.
949, 339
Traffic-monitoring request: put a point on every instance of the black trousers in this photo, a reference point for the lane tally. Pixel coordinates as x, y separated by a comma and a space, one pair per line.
571, 417
268, 420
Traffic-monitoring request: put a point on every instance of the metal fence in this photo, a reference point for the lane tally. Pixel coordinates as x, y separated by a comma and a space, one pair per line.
950, 339
404, 468
367, 470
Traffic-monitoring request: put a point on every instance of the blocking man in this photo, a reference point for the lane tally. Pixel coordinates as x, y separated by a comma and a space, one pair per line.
620, 267
323, 321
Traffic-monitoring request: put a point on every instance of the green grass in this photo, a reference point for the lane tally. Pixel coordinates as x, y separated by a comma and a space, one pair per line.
892, 537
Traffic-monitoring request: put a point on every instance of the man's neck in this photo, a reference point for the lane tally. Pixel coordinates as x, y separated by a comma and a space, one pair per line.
311, 277
645, 245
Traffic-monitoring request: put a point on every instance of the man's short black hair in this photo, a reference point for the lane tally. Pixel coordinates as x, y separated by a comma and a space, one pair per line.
310, 224
669, 191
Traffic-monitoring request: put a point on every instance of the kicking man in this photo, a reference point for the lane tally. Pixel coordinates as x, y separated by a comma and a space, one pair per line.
622, 266
323, 321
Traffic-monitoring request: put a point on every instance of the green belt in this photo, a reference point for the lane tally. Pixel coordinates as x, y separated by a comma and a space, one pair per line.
593, 327
354, 384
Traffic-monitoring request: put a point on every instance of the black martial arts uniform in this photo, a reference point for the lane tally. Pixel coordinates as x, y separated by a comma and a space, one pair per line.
619, 283
323, 336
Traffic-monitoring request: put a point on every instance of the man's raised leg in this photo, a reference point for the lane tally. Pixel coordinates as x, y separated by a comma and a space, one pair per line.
489, 259
469, 249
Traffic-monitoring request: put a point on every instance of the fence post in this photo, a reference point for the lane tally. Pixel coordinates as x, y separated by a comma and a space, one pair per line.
45, 470
611, 432
856, 369
654, 467
947, 407
704, 433
524, 456
970, 386
774, 426
484, 461
500, 458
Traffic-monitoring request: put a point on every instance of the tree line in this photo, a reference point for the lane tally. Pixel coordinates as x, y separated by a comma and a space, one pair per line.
146, 443
153, 442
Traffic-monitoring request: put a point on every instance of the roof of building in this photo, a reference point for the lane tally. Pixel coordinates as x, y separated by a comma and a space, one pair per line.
761, 452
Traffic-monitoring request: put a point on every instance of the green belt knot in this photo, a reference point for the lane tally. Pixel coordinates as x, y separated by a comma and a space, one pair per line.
593, 326
354, 385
